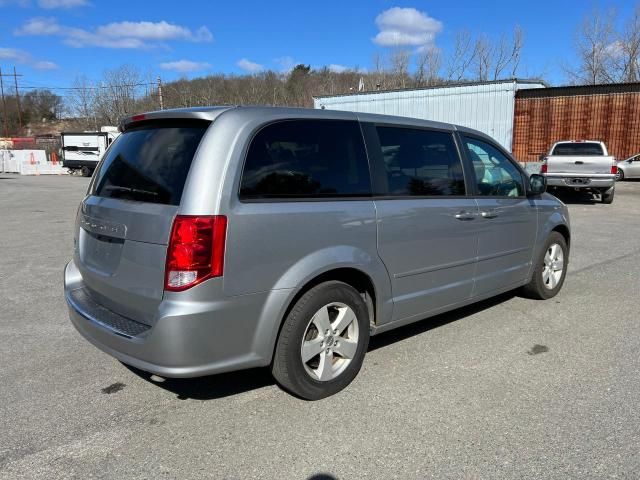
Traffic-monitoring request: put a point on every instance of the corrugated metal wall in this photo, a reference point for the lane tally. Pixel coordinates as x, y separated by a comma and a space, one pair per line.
543, 119
488, 107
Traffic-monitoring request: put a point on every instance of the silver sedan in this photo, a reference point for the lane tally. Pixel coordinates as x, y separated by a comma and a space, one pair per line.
629, 168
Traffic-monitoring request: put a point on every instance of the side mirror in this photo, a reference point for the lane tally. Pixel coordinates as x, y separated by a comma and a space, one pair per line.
537, 185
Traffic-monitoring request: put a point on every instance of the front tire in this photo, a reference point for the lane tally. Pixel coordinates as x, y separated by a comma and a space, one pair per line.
619, 175
550, 269
323, 341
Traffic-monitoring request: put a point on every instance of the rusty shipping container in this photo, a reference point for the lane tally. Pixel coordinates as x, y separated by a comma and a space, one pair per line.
610, 113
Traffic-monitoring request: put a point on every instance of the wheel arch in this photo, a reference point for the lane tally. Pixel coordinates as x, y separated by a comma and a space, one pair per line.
564, 231
351, 275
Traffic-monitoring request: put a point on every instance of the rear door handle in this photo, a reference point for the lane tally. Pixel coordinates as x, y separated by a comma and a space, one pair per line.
465, 215
489, 214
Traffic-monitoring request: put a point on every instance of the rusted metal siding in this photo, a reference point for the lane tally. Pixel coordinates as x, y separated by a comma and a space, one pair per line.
577, 113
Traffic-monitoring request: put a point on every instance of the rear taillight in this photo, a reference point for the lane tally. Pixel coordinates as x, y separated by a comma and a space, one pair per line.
195, 251
614, 169
543, 168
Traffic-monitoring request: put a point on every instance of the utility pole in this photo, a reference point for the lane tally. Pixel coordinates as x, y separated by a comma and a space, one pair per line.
4, 102
15, 79
4, 107
160, 93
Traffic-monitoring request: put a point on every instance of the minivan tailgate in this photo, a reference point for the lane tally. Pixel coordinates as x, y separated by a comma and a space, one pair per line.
120, 251
124, 223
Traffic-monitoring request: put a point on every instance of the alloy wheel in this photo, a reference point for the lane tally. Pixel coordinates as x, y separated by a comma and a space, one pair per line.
553, 266
330, 341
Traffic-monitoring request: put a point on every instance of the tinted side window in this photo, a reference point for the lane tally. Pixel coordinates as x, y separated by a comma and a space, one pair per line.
421, 162
306, 159
495, 174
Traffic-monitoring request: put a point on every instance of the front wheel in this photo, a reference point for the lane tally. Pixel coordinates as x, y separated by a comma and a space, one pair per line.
323, 341
619, 175
550, 269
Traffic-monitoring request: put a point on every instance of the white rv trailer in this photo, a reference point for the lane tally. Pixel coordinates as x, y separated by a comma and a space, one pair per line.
81, 151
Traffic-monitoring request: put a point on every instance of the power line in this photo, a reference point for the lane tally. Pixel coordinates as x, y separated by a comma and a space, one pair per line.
122, 85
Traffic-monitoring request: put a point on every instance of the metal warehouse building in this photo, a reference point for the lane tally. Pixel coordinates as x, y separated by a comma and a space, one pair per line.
487, 106
525, 116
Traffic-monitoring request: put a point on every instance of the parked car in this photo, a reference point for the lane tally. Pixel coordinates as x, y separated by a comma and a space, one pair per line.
582, 165
216, 239
629, 168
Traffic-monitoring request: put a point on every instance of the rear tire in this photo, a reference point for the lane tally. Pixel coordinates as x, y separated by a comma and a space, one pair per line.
550, 269
315, 364
85, 171
607, 196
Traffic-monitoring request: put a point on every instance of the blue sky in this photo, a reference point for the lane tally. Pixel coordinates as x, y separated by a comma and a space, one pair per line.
52, 41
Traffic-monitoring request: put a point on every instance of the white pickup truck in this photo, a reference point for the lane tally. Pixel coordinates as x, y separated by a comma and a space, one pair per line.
581, 165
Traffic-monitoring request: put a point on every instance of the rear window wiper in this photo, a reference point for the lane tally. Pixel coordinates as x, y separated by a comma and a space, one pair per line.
117, 188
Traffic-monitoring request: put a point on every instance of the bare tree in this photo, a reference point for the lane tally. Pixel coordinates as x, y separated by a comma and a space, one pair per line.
506, 54
516, 51
116, 94
483, 58
429, 62
461, 58
81, 102
626, 50
594, 40
399, 61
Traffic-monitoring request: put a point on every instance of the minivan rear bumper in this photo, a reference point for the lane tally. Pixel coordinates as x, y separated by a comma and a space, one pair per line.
188, 339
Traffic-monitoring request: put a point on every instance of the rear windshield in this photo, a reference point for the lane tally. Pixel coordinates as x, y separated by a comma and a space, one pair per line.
150, 163
578, 149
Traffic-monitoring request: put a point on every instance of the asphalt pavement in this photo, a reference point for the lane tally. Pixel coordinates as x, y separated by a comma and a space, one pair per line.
508, 388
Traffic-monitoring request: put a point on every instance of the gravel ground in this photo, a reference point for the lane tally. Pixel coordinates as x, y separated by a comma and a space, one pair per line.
508, 388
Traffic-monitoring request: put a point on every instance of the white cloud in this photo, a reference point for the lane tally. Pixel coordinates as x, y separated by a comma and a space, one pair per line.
334, 67
14, 54
249, 66
153, 31
615, 49
45, 65
39, 26
51, 4
19, 3
135, 35
286, 63
25, 58
406, 27
185, 66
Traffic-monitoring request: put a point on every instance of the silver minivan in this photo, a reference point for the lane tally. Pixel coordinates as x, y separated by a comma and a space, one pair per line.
217, 239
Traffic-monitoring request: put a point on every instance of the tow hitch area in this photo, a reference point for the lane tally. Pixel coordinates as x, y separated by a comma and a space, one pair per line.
579, 181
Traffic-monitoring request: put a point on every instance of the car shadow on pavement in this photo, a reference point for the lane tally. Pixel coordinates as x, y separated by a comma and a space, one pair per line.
227, 384
213, 386
576, 198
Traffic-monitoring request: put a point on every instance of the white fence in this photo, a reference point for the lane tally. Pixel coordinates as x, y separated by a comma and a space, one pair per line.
30, 162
